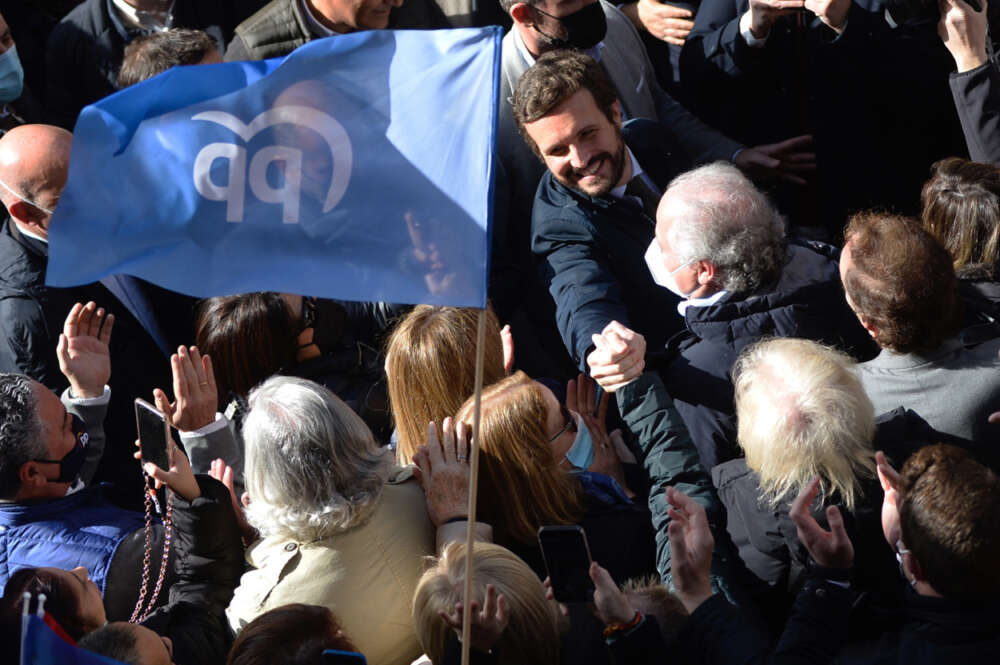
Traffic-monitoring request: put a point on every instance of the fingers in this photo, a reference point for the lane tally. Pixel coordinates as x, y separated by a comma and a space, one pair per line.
995, 418
105, 334
448, 451
197, 366
189, 377
62, 350
888, 476
95, 322
489, 604
571, 396
671, 11
600, 577
836, 521
83, 322
507, 342
161, 402
434, 453
503, 612
462, 448
72, 324
799, 511
602, 407
209, 373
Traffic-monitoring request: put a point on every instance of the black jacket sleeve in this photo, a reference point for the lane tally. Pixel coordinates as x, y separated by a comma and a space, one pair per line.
977, 99
208, 565
717, 633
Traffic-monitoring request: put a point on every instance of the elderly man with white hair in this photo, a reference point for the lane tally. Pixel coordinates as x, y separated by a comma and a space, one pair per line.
720, 245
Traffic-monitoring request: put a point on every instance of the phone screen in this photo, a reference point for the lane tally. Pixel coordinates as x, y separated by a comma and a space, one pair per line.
334, 657
567, 560
152, 429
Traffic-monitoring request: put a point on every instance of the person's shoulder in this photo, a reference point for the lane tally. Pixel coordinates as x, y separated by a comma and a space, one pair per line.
89, 16
276, 10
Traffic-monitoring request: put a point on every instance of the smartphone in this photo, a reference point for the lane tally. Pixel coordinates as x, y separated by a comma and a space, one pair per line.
334, 657
154, 438
567, 561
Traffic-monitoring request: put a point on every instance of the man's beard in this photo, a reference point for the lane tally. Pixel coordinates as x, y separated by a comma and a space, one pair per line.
617, 168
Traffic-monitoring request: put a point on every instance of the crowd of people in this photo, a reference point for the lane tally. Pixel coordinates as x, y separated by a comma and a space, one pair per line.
742, 346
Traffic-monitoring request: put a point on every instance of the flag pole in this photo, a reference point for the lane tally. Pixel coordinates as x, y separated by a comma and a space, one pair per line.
470, 531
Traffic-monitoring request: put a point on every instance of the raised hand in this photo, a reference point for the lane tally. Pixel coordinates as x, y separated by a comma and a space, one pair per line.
963, 31
667, 22
786, 160
691, 545
832, 548
619, 356
486, 625
443, 472
84, 356
762, 14
195, 393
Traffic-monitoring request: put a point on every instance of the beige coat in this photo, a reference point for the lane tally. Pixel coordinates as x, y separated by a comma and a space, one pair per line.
367, 576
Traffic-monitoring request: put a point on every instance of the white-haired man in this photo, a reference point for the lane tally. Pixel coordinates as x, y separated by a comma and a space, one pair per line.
720, 246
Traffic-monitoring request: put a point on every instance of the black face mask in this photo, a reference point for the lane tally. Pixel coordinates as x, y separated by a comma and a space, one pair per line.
72, 462
585, 28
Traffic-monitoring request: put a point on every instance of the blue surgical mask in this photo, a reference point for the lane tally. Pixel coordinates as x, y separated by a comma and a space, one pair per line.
11, 75
581, 453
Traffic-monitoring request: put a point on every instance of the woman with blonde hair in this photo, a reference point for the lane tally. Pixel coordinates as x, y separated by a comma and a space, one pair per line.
431, 366
340, 525
499, 580
532, 474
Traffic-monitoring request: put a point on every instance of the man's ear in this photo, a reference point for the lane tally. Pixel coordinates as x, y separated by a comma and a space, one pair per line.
22, 212
521, 13
872, 330
31, 476
616, 114
706, 272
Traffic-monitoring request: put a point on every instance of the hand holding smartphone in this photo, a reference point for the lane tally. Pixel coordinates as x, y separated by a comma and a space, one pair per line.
567, 561
154, 438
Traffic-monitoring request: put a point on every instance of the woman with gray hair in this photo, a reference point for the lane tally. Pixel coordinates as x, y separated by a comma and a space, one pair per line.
340, 525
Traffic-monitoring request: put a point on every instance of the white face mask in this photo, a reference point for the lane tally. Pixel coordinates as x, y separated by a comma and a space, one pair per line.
663, 277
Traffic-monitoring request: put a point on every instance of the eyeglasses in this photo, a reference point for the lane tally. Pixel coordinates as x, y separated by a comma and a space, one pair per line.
569, 423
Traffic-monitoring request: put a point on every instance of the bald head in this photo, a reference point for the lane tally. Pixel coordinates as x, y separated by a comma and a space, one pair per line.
34, 164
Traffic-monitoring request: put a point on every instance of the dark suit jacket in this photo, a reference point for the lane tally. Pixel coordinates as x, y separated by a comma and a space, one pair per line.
977, 98
874, 98
592, 251
513, 286
86, 48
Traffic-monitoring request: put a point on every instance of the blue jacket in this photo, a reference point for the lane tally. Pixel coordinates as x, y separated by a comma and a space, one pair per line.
81, 529
806, 302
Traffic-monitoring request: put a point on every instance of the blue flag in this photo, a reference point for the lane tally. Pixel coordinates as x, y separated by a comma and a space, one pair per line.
41, 646
360, 167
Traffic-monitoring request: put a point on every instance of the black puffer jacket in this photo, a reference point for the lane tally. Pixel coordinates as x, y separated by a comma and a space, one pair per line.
806, 302
207, 565
27, 336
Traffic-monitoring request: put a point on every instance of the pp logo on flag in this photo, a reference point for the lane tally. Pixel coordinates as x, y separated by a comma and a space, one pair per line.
289, 194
